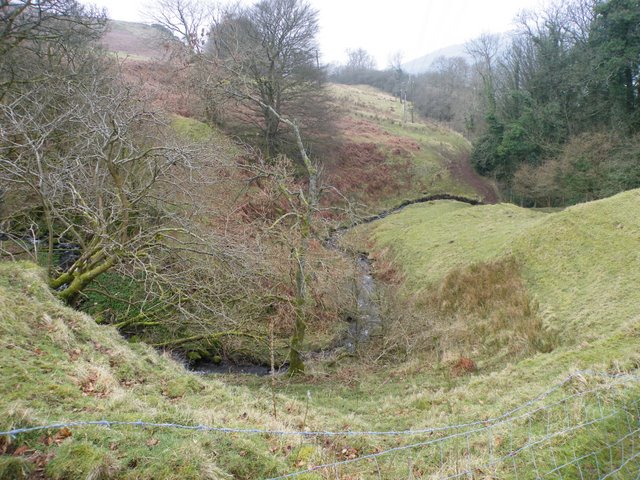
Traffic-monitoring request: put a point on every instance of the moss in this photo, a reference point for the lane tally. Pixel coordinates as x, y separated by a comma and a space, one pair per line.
191, 128
306, 454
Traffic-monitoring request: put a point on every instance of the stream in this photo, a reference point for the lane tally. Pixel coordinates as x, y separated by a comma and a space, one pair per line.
368, 319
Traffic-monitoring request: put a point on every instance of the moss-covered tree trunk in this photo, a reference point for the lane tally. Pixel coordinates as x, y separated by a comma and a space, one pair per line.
310, 205
296, 362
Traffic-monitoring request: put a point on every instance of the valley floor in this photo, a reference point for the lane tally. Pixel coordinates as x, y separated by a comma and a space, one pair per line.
539, 380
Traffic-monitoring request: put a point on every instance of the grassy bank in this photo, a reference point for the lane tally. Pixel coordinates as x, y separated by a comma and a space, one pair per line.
382, 159
574, 269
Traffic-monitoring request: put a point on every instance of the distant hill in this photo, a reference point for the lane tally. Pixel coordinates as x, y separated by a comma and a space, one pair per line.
137, 40
423, 64
380, 162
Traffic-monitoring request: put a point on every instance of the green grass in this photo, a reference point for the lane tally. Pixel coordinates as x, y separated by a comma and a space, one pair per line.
431, 239
192, 129
372, 116
580, 265
57, 365
577, 262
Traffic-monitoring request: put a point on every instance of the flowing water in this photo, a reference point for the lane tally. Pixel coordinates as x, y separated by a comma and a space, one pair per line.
368, 319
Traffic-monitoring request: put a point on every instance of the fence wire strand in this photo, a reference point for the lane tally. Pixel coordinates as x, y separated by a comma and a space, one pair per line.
572, 430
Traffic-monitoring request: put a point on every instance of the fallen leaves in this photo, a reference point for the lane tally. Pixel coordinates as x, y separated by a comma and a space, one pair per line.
56, 439
348, 453
74, 354
22, 450
89, 386
152, 442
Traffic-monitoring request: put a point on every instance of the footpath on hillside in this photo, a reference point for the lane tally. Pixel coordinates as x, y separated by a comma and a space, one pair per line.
461, 169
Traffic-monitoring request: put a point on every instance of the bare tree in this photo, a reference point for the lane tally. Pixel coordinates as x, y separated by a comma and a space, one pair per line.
189, 20
485, 51
302, 206
361, 69
31, 21
359, 59
39, 35
269, 51
97, 186
99, 177
395, 61
447, 93
94, 186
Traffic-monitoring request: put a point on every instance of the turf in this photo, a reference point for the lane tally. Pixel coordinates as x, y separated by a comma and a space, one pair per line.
58, 365
580, 265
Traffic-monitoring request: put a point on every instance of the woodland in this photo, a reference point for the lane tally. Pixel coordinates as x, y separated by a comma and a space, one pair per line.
552, 107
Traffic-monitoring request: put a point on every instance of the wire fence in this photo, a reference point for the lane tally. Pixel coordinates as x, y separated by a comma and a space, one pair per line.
585, 427
590, 432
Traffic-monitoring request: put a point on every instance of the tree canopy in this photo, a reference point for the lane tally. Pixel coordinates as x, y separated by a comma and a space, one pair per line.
568, 70
266, 58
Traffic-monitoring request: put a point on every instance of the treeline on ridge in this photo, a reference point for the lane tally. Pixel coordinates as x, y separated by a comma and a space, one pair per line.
553, 108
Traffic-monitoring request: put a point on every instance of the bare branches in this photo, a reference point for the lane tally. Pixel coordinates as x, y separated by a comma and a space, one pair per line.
32, 21
95, 183
189, 20
269, 53
128, 199
41, 35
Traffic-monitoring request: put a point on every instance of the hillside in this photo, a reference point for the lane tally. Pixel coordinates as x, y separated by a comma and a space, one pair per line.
377, 159
574, 272
136, 41
424, 64
58, 366
386, 155
404, 324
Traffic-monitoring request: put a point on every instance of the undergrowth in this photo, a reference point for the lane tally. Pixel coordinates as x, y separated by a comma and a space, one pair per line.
380, 161
474, 341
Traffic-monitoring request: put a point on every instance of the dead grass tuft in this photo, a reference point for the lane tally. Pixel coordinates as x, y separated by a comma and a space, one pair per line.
363, 170
486, 308
385, 269
482, 311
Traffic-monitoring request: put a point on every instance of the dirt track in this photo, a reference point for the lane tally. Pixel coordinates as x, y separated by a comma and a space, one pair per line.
462, 171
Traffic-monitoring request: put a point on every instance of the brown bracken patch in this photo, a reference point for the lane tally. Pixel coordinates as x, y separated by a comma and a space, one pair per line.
463, 366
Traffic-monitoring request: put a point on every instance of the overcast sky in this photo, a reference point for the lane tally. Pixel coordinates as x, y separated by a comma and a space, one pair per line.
412, 27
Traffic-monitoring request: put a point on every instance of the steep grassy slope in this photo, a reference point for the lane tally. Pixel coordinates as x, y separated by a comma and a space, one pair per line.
383, 159
488, 307
578, 268
58, 365
136, 41
580, 265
